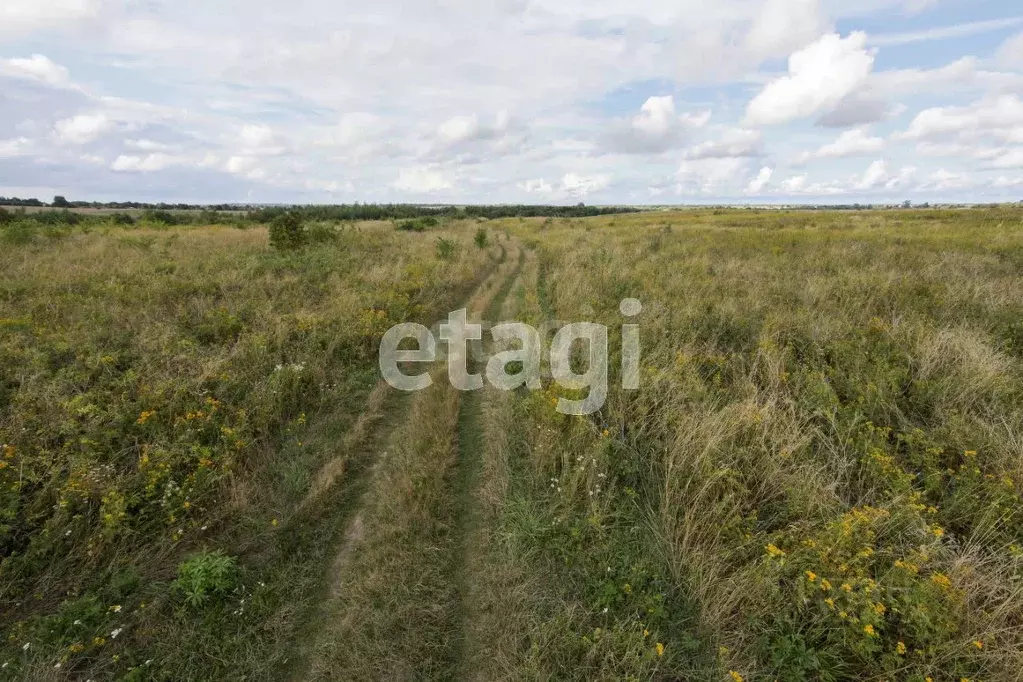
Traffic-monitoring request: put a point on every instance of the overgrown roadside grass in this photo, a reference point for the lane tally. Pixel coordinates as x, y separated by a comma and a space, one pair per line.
820, 473
817, 480
172, 394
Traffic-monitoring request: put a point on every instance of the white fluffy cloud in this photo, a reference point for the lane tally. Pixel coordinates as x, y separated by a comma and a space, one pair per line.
148, 145
37, 67
875, 176
142, 164
794, 184
83, 129
421, 181
785, 25
1003, 182
943, 180
1000, 117
657, 127
758, 183
855, 142
576, 185
535, 186
1010, 54
727, 176
459, 129
1009, 158
876, 179
733, 142
820, 76
23, 16
17, 147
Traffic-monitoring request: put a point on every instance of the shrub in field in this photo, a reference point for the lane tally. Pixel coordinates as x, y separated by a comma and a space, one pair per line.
210, 217
445, 249
287, 231
121, 219
205, 576
161, 217
19, 232
55, 218
320, 233
5, 216
417, 224
481, 239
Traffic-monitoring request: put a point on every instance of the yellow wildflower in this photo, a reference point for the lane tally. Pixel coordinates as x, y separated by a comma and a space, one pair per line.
825, 585
880, 609
660, 649
979, 644
847, 587
775, 552
736, 677
811, 576
869, 629
941, 580
900, 649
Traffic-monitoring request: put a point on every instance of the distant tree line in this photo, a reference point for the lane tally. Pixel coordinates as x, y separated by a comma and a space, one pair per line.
61, 202
265, 214
345, 212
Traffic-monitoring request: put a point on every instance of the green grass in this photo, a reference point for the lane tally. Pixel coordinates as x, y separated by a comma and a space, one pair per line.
825, 452
818, 479
161, 401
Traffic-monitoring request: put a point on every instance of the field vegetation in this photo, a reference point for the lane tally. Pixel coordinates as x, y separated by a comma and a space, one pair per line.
819, 478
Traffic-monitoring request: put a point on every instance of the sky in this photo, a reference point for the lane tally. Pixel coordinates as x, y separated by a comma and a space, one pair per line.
512, 101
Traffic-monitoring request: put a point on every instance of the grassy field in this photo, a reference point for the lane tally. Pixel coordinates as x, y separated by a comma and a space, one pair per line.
203, 476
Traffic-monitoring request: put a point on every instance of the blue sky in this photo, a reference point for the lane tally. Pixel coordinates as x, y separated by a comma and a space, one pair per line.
535, 101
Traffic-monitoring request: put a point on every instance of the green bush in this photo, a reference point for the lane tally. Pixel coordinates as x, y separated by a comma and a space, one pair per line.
319, 233
481, 238
417, 224
210, 217
64, 217
445, 249
5, 216
161, 217
19, 232
121, 219
287, 231
411, 226
206, 575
